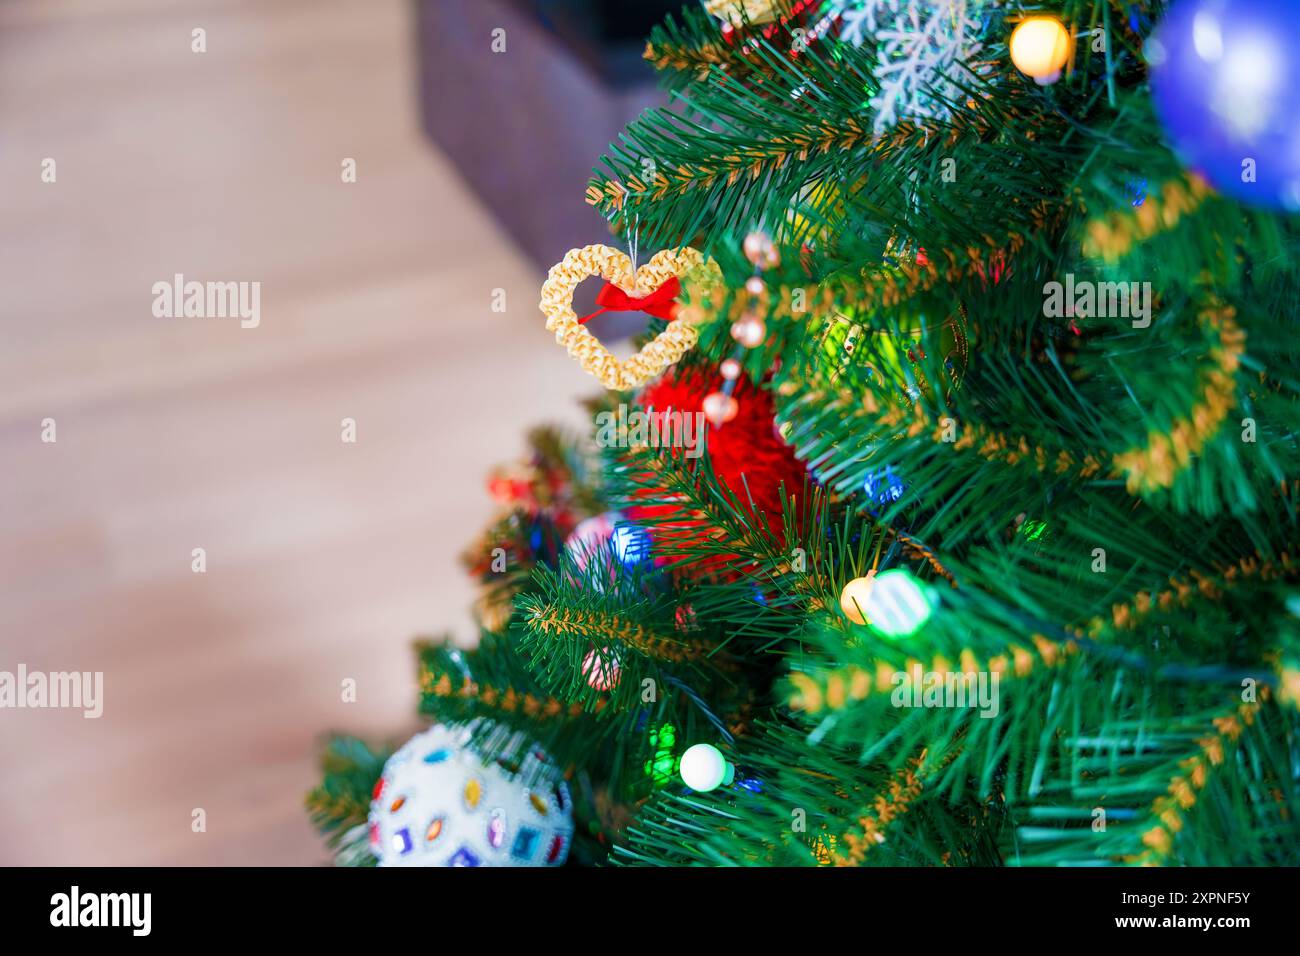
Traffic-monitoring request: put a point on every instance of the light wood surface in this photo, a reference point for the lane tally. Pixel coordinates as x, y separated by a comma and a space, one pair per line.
324, 559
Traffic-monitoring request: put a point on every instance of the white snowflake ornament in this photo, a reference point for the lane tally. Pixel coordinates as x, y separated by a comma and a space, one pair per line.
439, 804
922, 50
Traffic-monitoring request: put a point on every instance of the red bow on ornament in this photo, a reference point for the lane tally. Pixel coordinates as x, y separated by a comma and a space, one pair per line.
659, 303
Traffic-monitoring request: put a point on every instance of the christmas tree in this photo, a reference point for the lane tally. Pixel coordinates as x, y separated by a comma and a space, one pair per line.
983, 552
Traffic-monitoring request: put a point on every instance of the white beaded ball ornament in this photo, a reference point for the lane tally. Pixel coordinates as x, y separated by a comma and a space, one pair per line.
439, 804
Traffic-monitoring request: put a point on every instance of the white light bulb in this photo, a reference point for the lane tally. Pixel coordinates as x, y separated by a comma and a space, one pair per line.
703, 768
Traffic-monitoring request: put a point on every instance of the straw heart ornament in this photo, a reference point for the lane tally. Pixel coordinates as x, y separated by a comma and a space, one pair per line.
652, 289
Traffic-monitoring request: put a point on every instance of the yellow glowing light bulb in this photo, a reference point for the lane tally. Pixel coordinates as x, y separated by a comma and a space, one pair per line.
856, 596
1040, 46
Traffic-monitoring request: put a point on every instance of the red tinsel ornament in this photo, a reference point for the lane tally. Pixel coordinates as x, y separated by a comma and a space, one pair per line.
746, 453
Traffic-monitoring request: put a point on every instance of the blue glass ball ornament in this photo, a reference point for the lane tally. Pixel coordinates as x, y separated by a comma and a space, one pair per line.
631, 544
1226, 87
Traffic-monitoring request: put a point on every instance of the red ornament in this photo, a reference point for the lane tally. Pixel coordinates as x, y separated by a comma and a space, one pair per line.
746, 453
507, 490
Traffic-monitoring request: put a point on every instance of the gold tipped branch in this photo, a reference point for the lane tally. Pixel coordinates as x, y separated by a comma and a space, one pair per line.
1169, 810
700, 60
893, 802
1193, 585
836, 689
754, 163
337, 806
1112, 236
1145, 468
438, 684
550, 620
876, 288
905, 787
1156, 464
